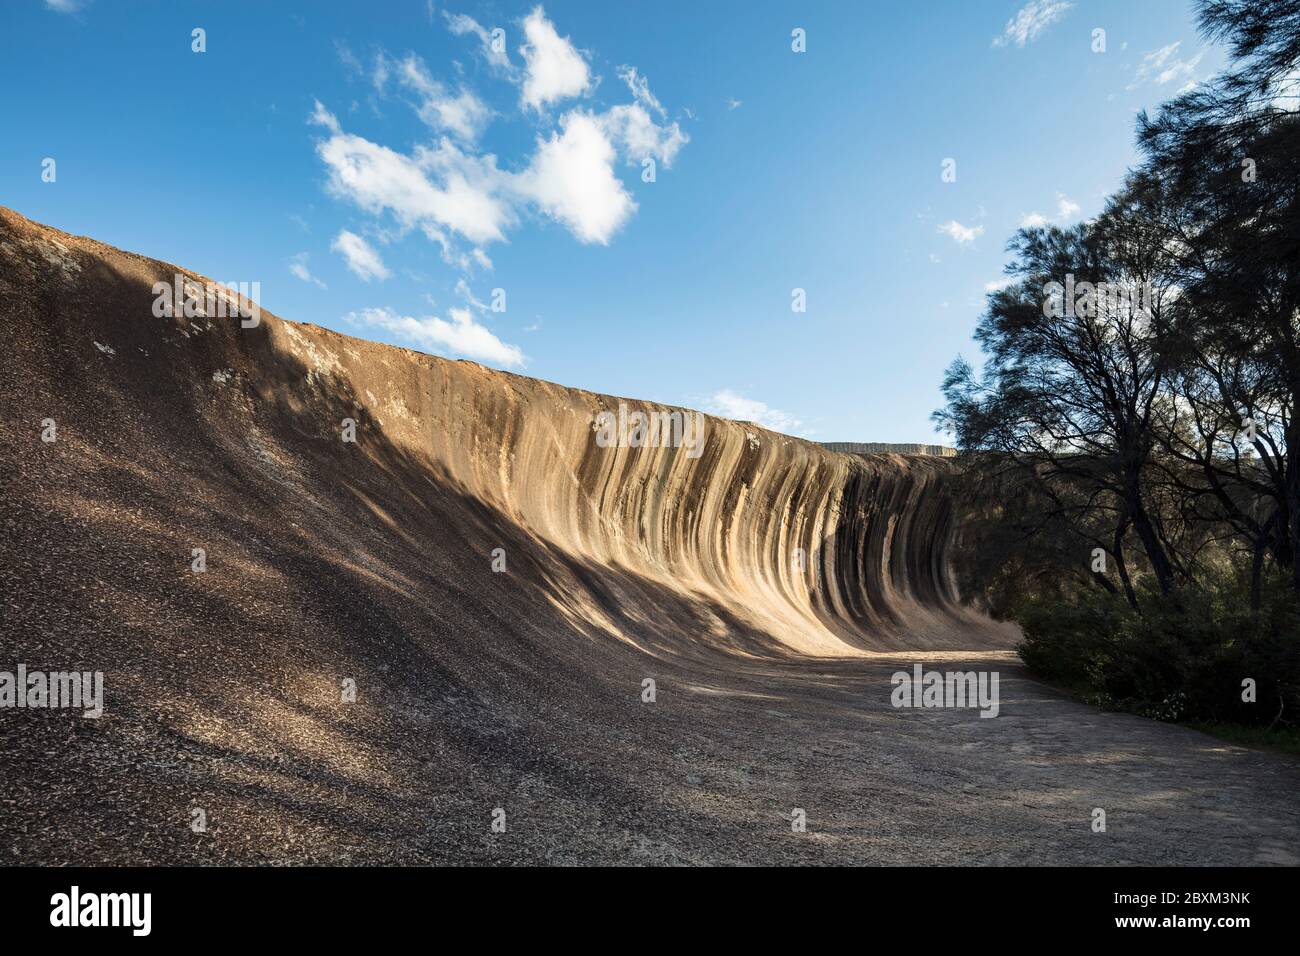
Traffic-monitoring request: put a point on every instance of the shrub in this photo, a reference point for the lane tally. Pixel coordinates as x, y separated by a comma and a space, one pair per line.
1177, 657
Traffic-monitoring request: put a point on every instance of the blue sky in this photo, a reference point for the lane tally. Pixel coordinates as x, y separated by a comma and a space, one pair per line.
381, 168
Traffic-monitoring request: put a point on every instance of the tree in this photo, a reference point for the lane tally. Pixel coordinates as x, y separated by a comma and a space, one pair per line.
1227, 156
1072, 378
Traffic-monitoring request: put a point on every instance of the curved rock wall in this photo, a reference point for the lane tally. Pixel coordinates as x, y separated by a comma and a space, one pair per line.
825, 553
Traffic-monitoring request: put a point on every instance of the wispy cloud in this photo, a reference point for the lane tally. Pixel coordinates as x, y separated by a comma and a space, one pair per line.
349, 59
730, 404
298, 266
495, 54
462, 335
323, 117
640, 88
1033, 18
65, 6
361, 257
1066, 210
1165, 66
961, 234
460, 113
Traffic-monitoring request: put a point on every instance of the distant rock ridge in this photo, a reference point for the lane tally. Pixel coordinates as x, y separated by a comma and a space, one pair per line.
887, 448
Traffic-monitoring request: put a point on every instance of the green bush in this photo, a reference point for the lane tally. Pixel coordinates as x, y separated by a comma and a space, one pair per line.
1178, 657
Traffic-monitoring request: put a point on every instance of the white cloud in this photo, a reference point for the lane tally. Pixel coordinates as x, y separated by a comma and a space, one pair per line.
734, 104
553, 69
380, 75
1164, 66
323, 117
997, 285
462, 114
572, 179
298, 266
632, 128
732, 405
442, 189
64, 6
463, 290
348, 59
460, 336
461, 25
1033, 18
361, 257
640, 88
1066, 208
961, 234
461, 197
457, 196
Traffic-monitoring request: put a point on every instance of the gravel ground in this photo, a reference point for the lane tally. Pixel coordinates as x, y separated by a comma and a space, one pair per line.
710, 773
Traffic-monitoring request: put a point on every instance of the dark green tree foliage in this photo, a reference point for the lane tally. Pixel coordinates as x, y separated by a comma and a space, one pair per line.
1154, 426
